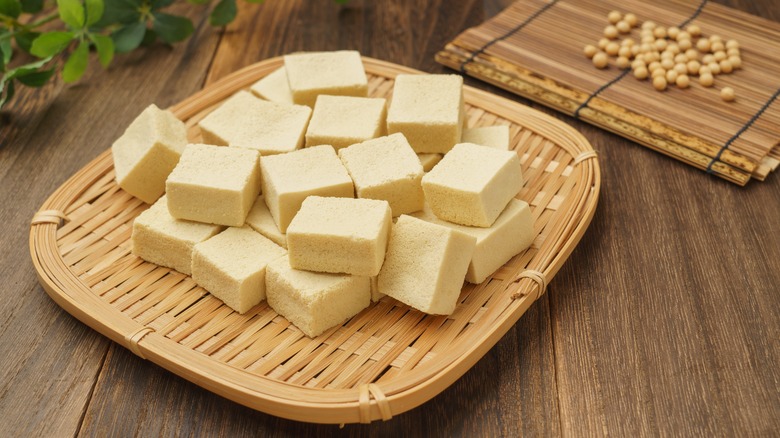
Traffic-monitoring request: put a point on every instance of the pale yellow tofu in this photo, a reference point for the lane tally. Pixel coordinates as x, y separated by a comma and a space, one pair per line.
246, 121
386, 168
428, 110
232, 266
162, 239
510, 234
341, 121
429, 160
473, 184
339, 235
338, 73
274, 87
288, 179
213, 184
491, 136
313, 301
425, 265
147, 152
260, 220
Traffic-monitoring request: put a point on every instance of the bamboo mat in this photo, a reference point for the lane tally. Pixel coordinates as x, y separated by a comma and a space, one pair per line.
535, 49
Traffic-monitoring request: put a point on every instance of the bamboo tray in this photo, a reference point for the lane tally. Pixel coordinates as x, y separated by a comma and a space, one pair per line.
384, 361
534, 49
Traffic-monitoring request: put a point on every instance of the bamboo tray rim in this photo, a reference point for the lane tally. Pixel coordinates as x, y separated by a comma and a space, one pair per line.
282, 398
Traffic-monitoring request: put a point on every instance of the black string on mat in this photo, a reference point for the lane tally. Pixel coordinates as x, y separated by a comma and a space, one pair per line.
744, 128
625, 72
512, 31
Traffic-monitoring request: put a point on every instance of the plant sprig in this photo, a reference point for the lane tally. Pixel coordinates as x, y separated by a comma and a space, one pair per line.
105, 27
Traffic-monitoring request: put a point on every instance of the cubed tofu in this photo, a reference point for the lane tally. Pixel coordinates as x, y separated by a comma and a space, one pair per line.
339, 235
274, 87
213, 184
246, 121
492, 136
147, 152
341, 121
425, 265
232, 266
313, 301
473, 184
338, 73
386, 168
260, 220
288, 179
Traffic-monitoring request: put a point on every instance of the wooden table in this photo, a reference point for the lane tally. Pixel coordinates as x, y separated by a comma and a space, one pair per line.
665, 320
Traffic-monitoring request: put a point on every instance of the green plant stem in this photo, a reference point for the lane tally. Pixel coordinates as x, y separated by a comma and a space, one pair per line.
31, 26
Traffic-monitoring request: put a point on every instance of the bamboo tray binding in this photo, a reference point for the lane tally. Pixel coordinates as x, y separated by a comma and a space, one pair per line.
384, 361
534, 49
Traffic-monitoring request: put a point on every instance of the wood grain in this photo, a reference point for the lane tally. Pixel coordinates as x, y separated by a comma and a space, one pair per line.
665, 320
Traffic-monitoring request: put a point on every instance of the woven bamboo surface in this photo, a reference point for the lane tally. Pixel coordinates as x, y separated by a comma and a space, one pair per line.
535, 49
384, 361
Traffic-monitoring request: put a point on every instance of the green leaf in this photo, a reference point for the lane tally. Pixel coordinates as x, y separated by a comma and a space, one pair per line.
32, 6
129, 37
159, 4
27, 68
5, 48
25, 38
11, 8
198, 2
149, 37
105, 48
256, 2
36, 78
342, 2
119, 11
72, 13
76, 65
172, 28
223, 13
50, 43
95, 10
9, 91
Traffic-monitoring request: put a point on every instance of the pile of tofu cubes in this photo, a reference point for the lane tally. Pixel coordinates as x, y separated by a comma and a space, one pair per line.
311, 195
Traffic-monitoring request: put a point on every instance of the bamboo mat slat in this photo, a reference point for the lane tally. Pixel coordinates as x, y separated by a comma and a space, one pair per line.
534, 49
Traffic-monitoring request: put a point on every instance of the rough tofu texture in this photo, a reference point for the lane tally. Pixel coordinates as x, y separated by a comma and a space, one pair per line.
492, 136
429, 160
386, 168
341, 121
164, 240
338, 73
213, 184
274, 87
290, 178
260, 220
147, 152
314, 301
246, 121
425, 265
428, 110
473, 184
232, 266
511, 234
339, 235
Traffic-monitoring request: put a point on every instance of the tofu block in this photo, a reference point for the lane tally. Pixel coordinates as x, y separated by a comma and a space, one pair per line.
213, 184
375, 294
274, 87
260, 220
147, 152
339, 235
314, 301
491, 136
429, 160
428, 110
164, 240
338, 73
341, 121
232, 266
510, 234
386, 168
246, 121
290, 178
473, 184
425, 265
